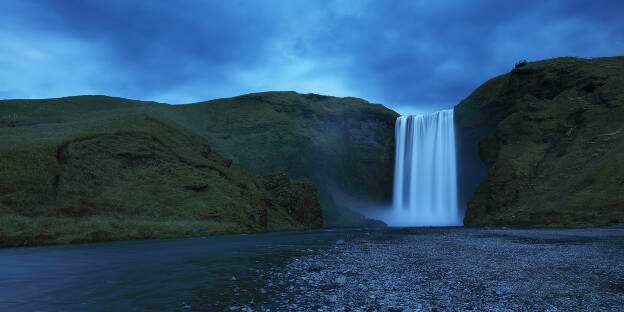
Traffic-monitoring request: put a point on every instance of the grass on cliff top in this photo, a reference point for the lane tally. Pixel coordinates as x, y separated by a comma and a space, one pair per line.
32, 132
29, 153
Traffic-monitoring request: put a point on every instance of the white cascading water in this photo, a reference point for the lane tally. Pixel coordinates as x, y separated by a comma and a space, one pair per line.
425, 172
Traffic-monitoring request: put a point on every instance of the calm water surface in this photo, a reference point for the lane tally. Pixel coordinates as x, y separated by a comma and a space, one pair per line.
147, 275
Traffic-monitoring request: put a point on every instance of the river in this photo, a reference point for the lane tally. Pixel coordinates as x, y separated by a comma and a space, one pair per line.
146, 275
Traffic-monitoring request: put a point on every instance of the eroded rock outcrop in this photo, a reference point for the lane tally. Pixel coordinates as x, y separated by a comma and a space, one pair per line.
297, 198
551, 134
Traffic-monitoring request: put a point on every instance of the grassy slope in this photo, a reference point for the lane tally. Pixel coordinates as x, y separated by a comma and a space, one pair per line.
552, 136
346, 145
98, 168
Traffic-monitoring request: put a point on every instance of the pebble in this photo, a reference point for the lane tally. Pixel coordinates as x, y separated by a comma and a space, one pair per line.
439, 269
450, 269
341, 279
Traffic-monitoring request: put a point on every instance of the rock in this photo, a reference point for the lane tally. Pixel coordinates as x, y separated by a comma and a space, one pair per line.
295, 198
341, 280
552, 148
373, 223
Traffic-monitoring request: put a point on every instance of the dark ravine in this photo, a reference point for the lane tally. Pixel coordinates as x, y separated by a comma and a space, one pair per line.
551, 134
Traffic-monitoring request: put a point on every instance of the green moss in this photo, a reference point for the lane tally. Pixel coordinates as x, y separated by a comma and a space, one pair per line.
344, 142
344, 145
553, 144
99, 160
75, 163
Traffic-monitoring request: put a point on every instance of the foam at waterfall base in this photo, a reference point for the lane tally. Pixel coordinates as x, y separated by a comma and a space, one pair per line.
408, 218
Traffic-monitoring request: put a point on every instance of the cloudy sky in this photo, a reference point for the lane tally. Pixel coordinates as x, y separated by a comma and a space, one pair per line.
412, 56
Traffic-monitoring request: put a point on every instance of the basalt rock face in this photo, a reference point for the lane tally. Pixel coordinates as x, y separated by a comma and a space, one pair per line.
88, 169
551, 134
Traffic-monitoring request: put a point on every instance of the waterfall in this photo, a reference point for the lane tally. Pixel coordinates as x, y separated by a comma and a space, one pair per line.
425, 173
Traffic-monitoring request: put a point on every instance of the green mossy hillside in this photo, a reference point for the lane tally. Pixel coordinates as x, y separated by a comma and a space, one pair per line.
95, 168
85, 168
345, 145
552, 136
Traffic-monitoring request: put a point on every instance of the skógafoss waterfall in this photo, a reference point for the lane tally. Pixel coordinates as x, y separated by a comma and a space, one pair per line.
425, 172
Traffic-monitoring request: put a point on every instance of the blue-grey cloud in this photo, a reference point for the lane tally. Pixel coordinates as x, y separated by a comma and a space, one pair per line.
411, 56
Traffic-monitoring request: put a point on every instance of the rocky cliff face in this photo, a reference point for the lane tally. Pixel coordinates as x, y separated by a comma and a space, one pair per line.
80, 170
551, 134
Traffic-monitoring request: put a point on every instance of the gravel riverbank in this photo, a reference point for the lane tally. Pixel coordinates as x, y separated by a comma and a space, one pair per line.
449, 269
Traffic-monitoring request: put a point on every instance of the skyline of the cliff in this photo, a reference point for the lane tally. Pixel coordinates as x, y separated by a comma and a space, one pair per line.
410, 58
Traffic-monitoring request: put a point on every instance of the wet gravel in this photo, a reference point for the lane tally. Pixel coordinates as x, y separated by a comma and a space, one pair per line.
448, 269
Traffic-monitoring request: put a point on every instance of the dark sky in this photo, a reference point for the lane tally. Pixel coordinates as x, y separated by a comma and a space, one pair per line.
411, 56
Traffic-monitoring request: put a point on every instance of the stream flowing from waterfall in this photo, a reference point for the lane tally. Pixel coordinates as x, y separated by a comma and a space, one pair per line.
178, 274
425, 172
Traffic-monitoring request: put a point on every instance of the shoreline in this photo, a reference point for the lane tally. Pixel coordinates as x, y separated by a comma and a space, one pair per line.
100, 231
441, 269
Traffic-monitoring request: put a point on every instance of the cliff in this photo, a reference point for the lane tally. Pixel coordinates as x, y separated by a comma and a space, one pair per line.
551, 134
345, 145
94, 168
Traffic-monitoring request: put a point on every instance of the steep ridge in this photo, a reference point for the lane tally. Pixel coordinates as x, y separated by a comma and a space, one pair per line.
551, 134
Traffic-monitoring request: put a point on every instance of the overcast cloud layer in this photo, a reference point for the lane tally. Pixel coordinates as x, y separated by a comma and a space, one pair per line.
411, 56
